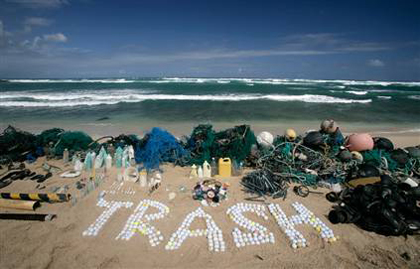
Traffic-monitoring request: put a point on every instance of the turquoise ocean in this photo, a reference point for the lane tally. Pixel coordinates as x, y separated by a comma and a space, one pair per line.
172, 100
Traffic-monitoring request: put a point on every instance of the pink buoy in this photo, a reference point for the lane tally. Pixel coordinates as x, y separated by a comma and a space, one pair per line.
359, 142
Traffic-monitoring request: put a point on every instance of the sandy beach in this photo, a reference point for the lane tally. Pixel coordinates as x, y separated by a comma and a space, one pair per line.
60, 243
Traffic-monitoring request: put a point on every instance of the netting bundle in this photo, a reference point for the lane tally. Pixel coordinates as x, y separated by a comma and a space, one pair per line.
14, 143
199, 144
50, 135
158, 146
73, 141
234, 143
380, 159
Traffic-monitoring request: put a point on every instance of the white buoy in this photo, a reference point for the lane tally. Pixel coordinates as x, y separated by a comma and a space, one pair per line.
265, 139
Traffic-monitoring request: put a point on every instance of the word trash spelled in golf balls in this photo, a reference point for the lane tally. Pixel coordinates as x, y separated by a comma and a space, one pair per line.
304, 217
259, 234
213, 232
138, 222
111, 208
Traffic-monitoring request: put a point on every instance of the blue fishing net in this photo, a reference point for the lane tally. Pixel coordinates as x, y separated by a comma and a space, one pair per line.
158, 146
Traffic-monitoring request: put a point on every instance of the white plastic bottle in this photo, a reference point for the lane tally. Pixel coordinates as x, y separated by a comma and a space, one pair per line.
206, 170
65, 156
200, 172
108, 162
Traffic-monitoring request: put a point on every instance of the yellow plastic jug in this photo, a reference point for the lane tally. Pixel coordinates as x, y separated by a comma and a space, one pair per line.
225, 167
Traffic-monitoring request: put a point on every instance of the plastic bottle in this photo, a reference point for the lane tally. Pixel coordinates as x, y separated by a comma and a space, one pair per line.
111, 150
206, 169
200, 172
213, 167
143, 178
234, 168
108, 162
193, 173
65, 156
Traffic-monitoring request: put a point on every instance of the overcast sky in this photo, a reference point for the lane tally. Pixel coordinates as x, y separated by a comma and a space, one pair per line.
366, 39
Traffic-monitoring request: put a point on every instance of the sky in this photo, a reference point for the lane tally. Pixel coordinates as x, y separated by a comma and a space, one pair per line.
358, 39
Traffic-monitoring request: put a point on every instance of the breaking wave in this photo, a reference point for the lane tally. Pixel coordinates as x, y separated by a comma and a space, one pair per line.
120, 80
357, 92
89, 99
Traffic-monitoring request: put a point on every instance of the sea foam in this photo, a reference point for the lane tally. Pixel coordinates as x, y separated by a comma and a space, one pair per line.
114, 97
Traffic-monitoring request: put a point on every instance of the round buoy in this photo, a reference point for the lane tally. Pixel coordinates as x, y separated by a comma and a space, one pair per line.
290, 134
359, 142
265, 139
329, 126
357, 156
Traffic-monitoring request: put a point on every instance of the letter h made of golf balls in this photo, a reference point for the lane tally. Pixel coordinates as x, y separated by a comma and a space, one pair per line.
304, 216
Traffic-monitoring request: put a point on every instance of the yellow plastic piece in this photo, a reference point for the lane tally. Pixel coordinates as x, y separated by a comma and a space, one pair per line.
225, 167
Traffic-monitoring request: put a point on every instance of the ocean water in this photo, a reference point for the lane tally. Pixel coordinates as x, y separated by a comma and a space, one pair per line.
172, 100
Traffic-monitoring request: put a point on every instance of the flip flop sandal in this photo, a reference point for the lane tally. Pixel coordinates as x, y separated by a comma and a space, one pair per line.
20, 175
36, 177
5, 183
48, 175
9, 175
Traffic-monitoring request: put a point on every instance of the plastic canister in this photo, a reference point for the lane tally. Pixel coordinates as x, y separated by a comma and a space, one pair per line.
225, 167
206, 170
65, 156
143, 178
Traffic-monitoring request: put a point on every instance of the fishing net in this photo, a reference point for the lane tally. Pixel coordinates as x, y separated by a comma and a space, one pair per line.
73, 141
199, 144
380, 159
14, 144
50, 135
158, 146
235, 143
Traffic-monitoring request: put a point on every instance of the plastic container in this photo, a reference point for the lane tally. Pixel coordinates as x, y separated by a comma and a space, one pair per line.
143, 178
193, 173
225, 167
200, 172
206, 170
65, 156
213, 165
108, 162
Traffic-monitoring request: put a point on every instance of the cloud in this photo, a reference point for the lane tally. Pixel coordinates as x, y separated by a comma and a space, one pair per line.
5, 39
59, 37
331, 42
40, 4
31, 22
376, 63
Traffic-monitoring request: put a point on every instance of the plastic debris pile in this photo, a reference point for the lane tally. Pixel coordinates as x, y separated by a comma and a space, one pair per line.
73, 141
386, 207
49, 136
15, 144
159, 146
211, 191
264, 182
235, 143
